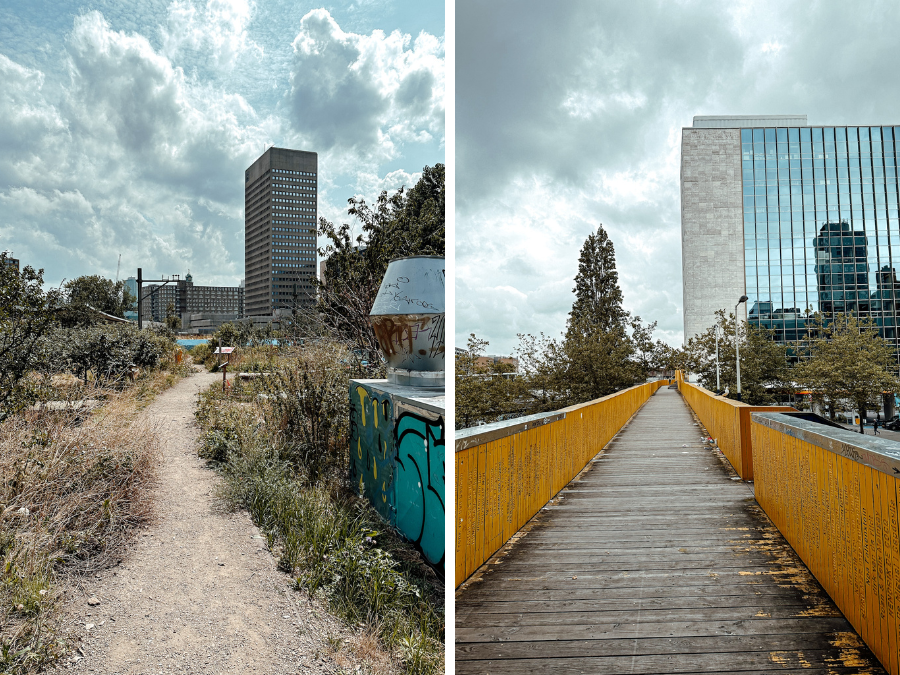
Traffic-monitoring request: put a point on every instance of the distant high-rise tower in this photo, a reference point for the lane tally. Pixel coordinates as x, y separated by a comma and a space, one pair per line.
280, 231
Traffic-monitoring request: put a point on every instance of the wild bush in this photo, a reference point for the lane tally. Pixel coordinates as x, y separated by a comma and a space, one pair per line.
106, 350
26, 314
308, 404
337, 548
201, 354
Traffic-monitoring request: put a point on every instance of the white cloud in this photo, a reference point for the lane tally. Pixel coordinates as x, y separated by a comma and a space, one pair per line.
580, 124
135, 141
218, 28
365, 95
131, 156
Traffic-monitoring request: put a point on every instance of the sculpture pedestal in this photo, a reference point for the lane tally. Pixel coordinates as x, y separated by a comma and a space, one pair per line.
397, 458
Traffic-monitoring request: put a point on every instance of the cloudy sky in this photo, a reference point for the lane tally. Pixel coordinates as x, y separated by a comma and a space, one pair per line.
569, 115
125, 127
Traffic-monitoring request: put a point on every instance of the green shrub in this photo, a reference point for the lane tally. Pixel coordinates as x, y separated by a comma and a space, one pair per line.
200, 354
308, 404
106, 350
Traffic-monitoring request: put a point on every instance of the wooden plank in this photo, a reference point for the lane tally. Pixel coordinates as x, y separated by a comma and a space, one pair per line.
617, 630
804, 661
683, 645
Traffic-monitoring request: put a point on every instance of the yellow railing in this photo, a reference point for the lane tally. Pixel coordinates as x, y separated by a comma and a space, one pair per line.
834, 495
507, 471
727, 421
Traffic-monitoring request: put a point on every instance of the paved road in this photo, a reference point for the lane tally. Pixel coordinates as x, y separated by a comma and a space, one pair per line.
657, 560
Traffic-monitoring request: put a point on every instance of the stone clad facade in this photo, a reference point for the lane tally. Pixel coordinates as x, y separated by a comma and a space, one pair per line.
712, 234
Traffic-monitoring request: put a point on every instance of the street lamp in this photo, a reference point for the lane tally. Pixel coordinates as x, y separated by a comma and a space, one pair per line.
737, 345
718, 385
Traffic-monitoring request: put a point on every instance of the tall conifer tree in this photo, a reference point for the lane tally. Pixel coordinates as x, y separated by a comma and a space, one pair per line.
598, 298
598, 352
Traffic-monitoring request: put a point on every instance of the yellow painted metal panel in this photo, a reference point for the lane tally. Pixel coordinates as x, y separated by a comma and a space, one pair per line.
891, 551
460, 524
508, 480
842, 518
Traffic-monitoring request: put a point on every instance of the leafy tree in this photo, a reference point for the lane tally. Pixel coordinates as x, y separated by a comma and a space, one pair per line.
847, 361
764, 365
598, 362
402, 224
87, 293
25, 317
484, 392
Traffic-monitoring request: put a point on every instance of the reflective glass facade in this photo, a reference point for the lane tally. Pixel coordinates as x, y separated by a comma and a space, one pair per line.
821, 229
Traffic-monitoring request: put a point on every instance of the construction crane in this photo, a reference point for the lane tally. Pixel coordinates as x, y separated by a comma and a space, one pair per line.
118, 266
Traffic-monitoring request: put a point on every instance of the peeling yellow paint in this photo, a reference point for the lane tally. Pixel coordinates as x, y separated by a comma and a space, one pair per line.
821, 609
849, 658
846, 639
779, 657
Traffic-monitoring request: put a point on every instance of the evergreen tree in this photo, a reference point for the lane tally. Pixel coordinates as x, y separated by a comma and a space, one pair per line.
597, 353
598, 298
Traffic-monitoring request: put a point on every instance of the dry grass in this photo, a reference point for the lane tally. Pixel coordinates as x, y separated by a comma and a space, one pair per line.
73, 487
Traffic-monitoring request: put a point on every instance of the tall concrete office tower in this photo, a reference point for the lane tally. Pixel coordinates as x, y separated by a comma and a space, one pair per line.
280, 231
796, 217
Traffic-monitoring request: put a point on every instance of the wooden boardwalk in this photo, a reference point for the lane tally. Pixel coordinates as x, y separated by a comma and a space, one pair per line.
654, 560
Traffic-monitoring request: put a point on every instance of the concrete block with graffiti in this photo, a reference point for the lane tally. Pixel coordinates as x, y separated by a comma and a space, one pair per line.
397, 458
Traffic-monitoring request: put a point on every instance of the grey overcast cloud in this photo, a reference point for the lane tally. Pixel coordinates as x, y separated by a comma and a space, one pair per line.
569, 115
125, 127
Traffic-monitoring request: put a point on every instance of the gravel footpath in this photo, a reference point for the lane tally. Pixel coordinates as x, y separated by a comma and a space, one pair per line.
198, 592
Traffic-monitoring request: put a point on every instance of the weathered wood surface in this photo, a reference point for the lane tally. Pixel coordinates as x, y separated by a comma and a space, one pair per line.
653, 561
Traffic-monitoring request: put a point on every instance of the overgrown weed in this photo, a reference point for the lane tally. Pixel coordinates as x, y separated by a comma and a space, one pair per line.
291, 476
74, 484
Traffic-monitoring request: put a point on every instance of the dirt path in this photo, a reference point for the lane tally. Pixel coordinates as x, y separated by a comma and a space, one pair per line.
198, 592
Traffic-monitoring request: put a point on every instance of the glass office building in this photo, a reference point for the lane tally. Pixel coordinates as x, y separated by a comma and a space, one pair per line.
819, 223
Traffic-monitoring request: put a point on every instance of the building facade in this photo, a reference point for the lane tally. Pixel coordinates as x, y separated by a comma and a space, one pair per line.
799, 218
280, 207
187, 299
10, 261
131, 285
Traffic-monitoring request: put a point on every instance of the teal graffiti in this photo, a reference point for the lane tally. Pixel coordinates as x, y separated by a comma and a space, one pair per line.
420, 483
398, 465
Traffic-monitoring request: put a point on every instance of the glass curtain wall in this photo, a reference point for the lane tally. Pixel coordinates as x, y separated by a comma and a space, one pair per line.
820, 225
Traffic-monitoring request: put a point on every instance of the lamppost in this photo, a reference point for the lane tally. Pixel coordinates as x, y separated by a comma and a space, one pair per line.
737, 344
718, 385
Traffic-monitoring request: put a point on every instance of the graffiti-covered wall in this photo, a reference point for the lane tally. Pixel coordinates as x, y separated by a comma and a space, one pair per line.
397, 458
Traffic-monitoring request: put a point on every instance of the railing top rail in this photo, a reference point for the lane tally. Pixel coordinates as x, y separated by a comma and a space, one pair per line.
729, 401
878, 453
469, 438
